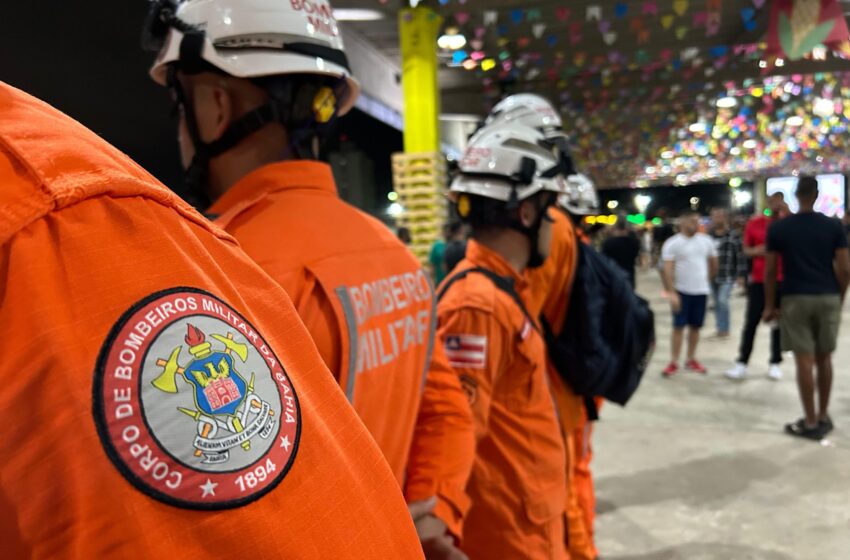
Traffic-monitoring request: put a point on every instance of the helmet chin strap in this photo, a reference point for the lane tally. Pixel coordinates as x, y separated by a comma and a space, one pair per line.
525, 176
536, 258
277, 109
196, 176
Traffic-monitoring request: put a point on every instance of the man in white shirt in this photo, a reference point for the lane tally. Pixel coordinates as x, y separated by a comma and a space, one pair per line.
690, 263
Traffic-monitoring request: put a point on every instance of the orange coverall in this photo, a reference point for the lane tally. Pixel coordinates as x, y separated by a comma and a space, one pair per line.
120, 302
517, 487
551, 286
583, 453
363, 296
583, 476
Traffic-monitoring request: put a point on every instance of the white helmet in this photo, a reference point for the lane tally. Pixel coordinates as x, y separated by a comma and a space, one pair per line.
580, 198
252, 39
529, 110
508, 162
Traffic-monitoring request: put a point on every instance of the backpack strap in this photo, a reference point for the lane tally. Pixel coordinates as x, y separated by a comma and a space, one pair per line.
591, 408
503, 283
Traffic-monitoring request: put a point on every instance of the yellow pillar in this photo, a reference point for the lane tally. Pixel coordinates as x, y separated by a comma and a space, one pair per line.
418, 28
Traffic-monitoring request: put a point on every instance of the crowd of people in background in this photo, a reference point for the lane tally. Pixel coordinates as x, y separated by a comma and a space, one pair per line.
318, 372
791, 268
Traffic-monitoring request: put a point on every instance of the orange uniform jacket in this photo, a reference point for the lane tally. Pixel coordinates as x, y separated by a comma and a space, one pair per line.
517, 488
551, 287
364, 298
160, 397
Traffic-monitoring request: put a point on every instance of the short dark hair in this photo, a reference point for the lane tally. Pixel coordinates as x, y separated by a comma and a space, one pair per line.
807, 187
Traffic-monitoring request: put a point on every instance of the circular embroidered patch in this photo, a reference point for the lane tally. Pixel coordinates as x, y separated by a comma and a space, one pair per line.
192, 404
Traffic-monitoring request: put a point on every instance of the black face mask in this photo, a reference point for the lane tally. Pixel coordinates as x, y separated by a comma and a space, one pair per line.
195, 177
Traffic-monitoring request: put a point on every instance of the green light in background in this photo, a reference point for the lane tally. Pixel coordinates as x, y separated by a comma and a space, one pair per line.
767, 212
656, 221
636, 219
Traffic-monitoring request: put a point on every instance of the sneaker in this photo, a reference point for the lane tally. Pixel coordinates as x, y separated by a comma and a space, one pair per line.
695, 367
671, 369
775, 372
738, 371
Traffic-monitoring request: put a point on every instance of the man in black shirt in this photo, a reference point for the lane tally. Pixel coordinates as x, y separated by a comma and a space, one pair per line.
817, 272
623, 248
846, 221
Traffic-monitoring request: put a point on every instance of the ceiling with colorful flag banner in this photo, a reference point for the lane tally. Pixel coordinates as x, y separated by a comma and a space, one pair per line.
657, 91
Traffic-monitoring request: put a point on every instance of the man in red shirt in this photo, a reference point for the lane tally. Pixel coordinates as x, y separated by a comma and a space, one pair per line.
755, 239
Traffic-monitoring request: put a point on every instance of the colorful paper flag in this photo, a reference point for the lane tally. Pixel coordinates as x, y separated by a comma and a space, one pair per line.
797, 26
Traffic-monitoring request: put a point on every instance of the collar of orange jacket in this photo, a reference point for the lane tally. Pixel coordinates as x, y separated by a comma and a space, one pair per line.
310, 175
482, 256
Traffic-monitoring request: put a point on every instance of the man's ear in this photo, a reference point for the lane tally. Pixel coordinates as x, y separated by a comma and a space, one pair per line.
527, 213
223, 112
213, 104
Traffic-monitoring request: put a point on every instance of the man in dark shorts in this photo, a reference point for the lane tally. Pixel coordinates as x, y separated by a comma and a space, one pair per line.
690, 263
816, 262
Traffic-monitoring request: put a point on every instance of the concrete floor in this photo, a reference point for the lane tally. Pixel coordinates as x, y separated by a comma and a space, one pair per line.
698, 468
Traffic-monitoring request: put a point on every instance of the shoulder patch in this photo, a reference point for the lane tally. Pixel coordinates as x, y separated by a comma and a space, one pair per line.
191, 403
466, 350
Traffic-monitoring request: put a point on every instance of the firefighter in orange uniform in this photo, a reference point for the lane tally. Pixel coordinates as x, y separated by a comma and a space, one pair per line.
554, 288
551, 286
260, 84
160, 396
514, 501
583, 201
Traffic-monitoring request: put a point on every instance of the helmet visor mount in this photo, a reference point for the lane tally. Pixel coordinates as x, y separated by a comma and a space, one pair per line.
161, 18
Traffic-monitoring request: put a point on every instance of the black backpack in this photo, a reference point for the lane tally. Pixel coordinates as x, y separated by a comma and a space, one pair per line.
608, 335
609, 332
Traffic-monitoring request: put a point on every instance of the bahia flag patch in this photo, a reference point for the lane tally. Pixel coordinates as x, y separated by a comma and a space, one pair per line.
466, 350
